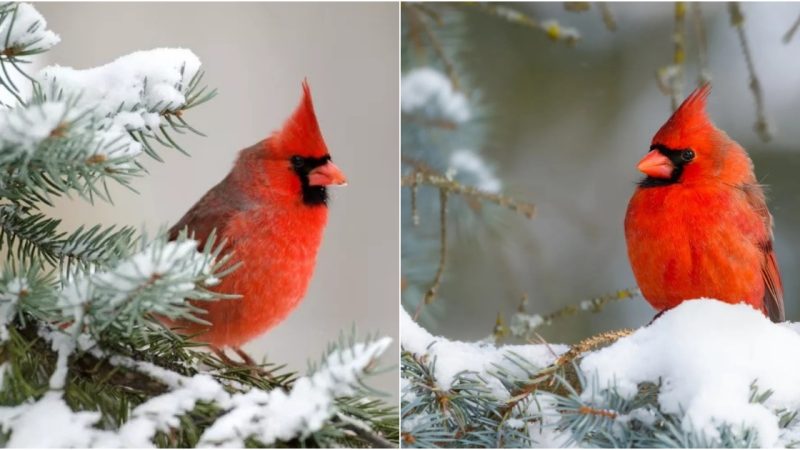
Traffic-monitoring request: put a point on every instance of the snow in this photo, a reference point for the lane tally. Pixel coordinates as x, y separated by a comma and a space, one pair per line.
429, 93
48, 422
128, 94
707, 355
468, 162
176, 265
279, 415
162, 413
454, 357
25, 128
265, 415
143, 82
28, 29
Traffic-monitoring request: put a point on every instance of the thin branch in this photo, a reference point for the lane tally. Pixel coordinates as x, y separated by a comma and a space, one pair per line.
526, 209
608, 16
702, 43
415, 14
551, 28
592, 343
670, 78
577, 6
762, 125
531, 323
364, 432
790, 34
430, 295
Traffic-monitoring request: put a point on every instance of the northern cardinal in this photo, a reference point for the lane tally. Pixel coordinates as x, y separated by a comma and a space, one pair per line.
698, 224
272, 210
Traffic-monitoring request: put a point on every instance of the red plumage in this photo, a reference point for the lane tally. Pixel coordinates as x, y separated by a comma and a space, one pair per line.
698, 224
272, 210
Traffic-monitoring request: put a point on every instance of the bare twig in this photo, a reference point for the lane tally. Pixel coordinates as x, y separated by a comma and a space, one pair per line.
762, 125
430, 294
592, 343
551, 28
608, 16
670, 78
702, 43
418, 22
790, 34
525, 325
451, 186
577, 6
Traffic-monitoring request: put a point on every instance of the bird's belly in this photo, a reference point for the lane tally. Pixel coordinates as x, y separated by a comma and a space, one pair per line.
271, 281
679, 253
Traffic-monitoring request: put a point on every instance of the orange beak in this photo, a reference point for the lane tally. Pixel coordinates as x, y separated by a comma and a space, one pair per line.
326, 175
656, 165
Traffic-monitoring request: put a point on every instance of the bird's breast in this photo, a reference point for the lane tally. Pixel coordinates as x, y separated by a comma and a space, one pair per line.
686, 243
277, 251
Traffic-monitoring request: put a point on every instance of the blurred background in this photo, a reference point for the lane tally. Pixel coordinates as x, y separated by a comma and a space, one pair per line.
257, 55
563, 126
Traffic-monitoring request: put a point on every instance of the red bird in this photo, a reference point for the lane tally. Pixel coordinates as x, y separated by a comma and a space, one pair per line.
272, 210
698, 224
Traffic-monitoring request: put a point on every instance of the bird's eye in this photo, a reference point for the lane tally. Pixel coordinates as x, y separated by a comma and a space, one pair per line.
687, 155
297, 161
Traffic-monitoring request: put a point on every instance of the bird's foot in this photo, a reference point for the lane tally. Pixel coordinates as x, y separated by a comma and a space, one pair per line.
246, 362
245, 357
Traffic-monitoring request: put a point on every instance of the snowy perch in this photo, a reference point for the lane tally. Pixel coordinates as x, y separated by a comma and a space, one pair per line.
707, 354
267, 416
724, 374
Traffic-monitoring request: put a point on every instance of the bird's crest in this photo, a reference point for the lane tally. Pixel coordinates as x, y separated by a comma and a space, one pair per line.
690, 117
300, 133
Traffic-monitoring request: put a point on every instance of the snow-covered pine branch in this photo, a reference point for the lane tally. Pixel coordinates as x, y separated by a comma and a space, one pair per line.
156, 281
274, 416
245, 415
704, 374
83, 127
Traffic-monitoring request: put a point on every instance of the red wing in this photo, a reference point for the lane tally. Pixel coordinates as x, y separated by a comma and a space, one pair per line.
773, 295
213, 211
773, 292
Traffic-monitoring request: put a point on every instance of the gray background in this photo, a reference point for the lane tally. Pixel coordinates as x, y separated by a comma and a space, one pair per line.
568, 125
257, 56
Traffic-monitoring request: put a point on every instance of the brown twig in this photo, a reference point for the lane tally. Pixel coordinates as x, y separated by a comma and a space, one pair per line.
702, 43
429, 122
551, 28
548, 375
608, 16
591, 343
577, 6
419, 24
671, 77
593, 305
430, 294
790, 34
453, 187
762, 125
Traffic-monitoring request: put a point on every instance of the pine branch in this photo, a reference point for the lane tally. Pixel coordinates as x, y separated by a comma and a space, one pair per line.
32, 237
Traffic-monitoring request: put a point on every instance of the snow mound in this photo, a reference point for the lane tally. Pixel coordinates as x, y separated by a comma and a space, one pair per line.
455, 357
143, 82
129, 94
707, 355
